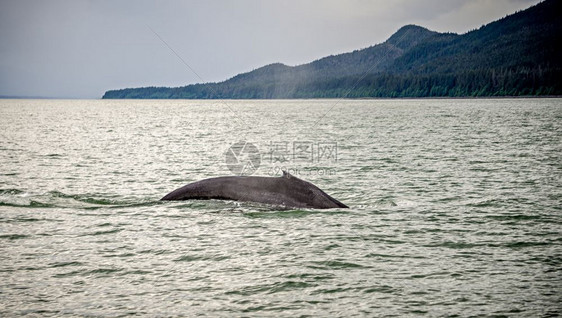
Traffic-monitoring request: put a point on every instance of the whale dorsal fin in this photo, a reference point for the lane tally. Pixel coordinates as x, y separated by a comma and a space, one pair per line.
286, 174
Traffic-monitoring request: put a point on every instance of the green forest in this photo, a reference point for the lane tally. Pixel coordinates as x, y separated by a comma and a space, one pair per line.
514, 56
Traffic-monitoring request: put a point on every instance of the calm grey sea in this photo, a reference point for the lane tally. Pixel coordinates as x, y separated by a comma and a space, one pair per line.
455, 209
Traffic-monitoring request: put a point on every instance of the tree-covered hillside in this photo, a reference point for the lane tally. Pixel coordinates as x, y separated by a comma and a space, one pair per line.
515, 56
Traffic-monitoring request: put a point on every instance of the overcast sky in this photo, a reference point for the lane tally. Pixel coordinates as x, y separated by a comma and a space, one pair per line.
81, 48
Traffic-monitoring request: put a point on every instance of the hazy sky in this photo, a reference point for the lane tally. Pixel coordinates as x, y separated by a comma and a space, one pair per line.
81, 48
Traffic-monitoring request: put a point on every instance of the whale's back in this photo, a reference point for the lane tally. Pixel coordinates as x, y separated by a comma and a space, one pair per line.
287, 190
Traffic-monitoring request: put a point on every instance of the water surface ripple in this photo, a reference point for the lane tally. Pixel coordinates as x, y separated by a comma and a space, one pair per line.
455, 209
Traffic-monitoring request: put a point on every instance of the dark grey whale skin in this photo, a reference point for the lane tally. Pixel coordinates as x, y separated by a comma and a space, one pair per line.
286, 190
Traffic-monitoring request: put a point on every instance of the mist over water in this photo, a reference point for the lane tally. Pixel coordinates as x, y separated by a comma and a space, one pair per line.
454, 208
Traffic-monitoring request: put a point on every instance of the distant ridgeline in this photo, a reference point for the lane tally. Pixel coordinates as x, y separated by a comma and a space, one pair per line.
519, 55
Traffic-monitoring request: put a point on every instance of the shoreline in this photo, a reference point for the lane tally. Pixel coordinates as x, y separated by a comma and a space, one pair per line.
278, 99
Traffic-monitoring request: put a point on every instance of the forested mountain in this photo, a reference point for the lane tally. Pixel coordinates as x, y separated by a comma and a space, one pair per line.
515, 56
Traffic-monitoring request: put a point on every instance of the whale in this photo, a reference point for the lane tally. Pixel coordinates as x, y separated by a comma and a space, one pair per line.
286, 190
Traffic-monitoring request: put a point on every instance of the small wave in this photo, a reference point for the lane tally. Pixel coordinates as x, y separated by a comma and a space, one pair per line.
448, 199
390, 256
155, 252
275, 214
456, 245
9, 174
271, 288
25, 220
335, 290
334, 265
193, 258
65, 264
516, 245
103, 271
13, 236
385, 289
68, 274
96, 233
484, 204
119, 255
81, 198
137, 272
37, 204
514, 217
385, 202
311, 276
28, 204
54, 155
10, 191
57, 199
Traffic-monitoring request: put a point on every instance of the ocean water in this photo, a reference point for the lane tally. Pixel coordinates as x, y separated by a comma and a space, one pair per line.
455, 209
